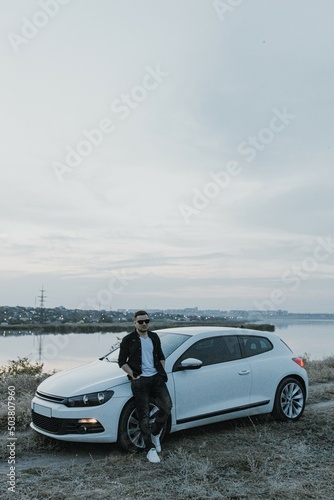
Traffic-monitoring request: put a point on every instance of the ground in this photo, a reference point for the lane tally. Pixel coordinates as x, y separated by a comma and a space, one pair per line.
245, 459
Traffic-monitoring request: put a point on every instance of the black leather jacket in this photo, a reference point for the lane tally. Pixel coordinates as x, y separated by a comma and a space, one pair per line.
130, 353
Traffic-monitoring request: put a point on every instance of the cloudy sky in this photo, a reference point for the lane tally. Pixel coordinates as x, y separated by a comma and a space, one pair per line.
167, 154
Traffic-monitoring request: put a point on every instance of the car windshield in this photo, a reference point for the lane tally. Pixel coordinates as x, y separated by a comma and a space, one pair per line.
169, 343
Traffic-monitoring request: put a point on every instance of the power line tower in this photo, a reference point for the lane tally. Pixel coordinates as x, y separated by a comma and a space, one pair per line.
42, 298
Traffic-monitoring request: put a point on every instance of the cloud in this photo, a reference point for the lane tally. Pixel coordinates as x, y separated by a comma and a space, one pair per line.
119, 206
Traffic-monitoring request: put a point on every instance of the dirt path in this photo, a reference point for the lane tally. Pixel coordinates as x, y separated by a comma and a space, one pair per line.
69, 454
319, 406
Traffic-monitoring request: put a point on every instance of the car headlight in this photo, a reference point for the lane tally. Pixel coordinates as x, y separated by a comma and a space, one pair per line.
91, 399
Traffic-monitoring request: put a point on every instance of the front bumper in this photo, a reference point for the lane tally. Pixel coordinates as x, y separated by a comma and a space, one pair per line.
91, 424
63, 426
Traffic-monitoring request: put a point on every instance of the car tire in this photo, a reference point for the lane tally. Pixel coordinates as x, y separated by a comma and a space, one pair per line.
289, 400
129, 434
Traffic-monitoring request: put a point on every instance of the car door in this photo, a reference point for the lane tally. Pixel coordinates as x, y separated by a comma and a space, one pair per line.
221, 385
265, 366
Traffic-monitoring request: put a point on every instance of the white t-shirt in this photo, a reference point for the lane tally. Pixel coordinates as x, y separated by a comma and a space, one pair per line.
147, 362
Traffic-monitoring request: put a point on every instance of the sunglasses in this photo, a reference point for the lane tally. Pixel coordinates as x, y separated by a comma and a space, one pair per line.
142, 321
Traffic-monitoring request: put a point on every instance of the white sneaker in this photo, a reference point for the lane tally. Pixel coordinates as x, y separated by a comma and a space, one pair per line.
156, 441
152, 456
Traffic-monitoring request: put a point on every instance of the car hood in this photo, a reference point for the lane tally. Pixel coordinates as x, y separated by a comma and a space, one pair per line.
96, 376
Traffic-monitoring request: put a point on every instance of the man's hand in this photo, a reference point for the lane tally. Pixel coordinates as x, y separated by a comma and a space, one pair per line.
129, 371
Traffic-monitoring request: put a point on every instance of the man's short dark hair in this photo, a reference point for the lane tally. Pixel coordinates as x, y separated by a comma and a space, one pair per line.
140, 313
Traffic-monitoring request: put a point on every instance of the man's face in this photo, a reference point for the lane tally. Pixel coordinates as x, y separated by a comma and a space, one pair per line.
141, 323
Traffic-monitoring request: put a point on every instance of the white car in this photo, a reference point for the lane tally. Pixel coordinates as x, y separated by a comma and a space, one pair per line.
214, 374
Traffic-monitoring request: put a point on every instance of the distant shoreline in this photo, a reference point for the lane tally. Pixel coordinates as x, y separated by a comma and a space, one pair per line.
121, 327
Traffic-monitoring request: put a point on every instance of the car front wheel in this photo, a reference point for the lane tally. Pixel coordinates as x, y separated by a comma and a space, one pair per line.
289, 400
130, 437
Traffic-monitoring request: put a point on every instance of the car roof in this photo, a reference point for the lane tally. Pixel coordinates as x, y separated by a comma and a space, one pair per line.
223, 330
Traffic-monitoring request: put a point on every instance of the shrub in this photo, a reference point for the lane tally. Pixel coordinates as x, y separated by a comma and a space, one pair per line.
320, 371
21, 366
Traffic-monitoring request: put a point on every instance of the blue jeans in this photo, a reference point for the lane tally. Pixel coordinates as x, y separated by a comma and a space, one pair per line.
145, 389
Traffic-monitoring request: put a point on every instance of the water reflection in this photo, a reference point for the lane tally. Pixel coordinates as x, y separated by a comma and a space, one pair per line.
57, 351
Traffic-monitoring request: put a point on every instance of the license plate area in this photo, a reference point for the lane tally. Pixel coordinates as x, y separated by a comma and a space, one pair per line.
42, 410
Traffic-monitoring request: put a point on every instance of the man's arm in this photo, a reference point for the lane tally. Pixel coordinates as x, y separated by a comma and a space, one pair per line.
129, 371
123, 357
123, 352
160, 353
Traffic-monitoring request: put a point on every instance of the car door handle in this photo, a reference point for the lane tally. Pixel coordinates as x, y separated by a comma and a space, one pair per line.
244, 372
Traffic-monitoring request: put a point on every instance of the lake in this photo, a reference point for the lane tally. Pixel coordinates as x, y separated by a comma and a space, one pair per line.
314, 337
60, 351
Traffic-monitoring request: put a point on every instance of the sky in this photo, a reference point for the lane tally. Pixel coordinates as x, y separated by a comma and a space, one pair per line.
167, 154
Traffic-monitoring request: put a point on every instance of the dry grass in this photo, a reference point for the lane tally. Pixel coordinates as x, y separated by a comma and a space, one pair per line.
320, 370
249, 459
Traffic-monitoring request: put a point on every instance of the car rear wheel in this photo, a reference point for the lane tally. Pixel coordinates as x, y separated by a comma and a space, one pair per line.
130, 437
289, 401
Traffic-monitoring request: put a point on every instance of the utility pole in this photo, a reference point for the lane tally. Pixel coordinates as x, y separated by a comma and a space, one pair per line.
42, 298
42, 318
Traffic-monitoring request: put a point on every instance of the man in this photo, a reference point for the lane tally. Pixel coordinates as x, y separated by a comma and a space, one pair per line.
141, 357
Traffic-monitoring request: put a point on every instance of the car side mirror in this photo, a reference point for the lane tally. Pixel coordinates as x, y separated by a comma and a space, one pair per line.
190, 364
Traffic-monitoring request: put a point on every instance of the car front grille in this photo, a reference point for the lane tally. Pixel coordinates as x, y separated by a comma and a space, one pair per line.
62, 426
50, 397
53, 425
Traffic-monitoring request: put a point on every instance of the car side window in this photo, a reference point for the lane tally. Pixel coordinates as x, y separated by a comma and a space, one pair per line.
213, 350
251, 345
232, 348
